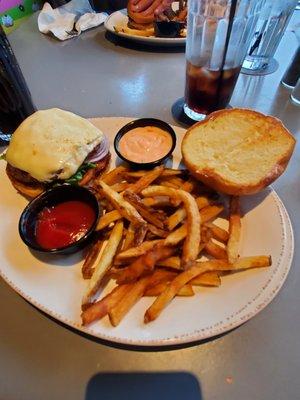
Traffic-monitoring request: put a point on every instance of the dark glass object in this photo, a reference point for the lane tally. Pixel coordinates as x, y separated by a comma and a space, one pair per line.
169, 29
292, 74
15, 99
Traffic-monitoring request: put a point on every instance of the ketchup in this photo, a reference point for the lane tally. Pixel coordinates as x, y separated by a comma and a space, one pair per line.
63, 224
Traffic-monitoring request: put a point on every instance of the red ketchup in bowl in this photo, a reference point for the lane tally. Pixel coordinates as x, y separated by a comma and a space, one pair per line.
65, 223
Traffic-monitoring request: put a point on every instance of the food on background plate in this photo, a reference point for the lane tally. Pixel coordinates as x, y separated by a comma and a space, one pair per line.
55, 146
145, 144
170, 29
237, 151
155, 18
170, 259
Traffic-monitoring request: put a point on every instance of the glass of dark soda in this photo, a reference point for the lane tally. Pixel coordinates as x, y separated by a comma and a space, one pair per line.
218, 36
15, 99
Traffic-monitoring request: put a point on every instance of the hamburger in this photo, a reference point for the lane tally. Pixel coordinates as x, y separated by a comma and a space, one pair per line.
55, 146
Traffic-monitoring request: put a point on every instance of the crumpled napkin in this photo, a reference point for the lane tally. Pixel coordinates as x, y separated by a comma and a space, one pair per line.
70, 19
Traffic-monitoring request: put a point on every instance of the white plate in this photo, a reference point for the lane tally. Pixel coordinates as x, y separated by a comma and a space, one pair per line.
54, 284
120, 18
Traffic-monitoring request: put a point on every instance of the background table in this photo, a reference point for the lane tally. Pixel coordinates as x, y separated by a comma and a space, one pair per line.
95, 75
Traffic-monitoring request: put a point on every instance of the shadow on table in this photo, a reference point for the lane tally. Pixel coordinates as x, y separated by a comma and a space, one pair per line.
143, 386
123, 42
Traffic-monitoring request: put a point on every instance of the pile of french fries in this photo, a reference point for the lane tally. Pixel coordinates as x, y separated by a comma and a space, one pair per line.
157, 237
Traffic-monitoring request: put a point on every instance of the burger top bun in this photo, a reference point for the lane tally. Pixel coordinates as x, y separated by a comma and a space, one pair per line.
237, 151
52, 144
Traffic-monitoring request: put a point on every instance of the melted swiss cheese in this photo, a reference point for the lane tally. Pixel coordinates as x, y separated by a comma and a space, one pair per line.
52, 144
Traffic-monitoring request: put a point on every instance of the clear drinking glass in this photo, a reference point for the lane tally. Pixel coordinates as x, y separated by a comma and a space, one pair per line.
218, 37
270, 27
295, 95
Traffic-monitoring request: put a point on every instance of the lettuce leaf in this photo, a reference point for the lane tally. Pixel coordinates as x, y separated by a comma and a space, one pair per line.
74, 179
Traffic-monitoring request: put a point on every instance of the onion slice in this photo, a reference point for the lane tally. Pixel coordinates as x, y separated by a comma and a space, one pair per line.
99, 151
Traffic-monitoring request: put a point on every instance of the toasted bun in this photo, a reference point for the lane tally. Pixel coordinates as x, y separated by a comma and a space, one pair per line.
32, 190
52, 144
237, 151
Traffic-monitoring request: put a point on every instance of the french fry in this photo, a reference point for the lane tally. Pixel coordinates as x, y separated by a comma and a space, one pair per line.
140, 232
167, 183
176, 218
90, 259
127, 211
144, 264
115, 175
124, 208
150, 215
166, 172
173, 181
146, 179
203, 201
129, 238
156, 231
192, 240
207, 279
186, 290
252, 262
218, 233
136, 32
134, 252
215, 250
234, 229
206, 235
118, 311
170, 262
180, 214
102, 307
176, 236
201, 247
164, 274
210, 212
159, 201
173, 288
189, 185
120, 186
160, 250
197, 269
107, 219
105, 262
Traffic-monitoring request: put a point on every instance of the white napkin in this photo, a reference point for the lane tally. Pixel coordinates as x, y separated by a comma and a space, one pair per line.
69, 20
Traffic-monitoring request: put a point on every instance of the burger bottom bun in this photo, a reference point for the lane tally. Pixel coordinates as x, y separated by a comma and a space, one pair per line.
32, 190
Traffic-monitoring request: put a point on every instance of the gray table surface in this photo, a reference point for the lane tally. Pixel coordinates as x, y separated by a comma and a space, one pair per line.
40, 359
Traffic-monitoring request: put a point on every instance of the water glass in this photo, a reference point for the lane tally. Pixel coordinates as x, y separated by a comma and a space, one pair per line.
270, 27
218, 37
295, 95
